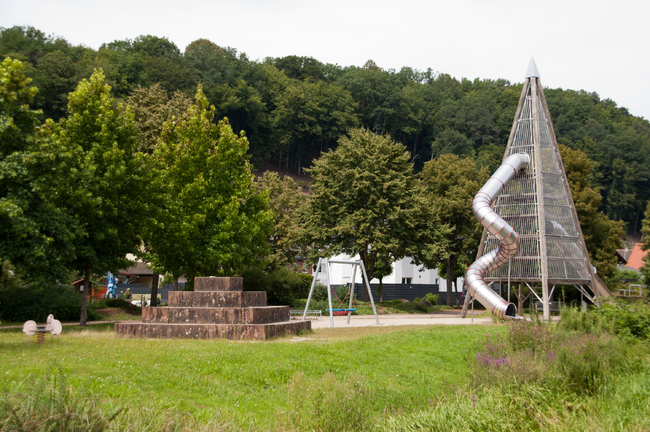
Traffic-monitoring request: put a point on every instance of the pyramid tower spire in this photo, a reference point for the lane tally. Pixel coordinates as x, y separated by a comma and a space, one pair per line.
539, 206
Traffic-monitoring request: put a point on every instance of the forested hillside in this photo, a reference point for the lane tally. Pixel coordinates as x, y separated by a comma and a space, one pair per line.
293, 108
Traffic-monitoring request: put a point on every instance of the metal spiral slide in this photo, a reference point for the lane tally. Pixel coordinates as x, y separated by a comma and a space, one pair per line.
509, 239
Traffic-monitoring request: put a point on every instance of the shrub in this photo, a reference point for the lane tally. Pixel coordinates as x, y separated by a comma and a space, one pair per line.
421, 307
283, 286
432, 298
22, 304
580, 321
627, 321
530, 336
255, 279
327, 404
614, 317
320, 292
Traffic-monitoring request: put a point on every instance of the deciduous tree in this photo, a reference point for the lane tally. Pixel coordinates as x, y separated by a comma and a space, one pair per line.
451, 184
35, 231
151, 108
207, 219
104, 178
285, 199
366, 201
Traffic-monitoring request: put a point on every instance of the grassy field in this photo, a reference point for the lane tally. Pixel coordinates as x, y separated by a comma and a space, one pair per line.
405, 367
447, 378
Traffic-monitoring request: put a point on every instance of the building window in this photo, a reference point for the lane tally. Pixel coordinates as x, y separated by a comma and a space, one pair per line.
406, 281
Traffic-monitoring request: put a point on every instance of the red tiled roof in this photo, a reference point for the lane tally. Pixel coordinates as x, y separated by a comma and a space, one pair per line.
636, 257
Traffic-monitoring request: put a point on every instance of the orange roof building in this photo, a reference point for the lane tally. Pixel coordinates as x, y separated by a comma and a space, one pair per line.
636, 258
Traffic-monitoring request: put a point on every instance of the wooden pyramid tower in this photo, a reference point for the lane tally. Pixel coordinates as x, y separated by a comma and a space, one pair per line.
539, 206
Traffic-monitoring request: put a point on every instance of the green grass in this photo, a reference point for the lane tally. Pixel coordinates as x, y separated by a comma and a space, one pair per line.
404, 366
369, 378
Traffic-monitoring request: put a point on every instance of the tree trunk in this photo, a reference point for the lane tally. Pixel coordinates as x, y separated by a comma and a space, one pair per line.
450, 278
84, 296
381, 289
456, 290
520, 298
364, 290
176, 284
154, 290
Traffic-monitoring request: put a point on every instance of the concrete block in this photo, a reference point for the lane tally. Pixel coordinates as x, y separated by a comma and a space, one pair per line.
230, 315
214, 283
217, 299
211, 331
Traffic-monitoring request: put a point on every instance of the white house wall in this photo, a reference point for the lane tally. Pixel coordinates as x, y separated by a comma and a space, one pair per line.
342, 274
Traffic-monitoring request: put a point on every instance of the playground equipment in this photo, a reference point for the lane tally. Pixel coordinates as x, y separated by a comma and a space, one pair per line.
323, 267
52, 326
539, 206
509, 239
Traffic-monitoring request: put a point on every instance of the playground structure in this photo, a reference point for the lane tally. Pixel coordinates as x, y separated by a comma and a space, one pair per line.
538, 205
52, 326
323, 266
498, 227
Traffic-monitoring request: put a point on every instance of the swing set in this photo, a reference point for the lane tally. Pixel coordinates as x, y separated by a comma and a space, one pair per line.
324, 267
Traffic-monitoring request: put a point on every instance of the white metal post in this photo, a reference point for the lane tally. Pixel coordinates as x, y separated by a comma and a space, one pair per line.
372, 301
354, 281
329, 290
311, 291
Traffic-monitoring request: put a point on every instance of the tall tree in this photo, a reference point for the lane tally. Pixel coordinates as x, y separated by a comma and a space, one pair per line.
151, 108
105, 184
35, 232
207, 219
285, 199
451, 184
365, 201
309, 118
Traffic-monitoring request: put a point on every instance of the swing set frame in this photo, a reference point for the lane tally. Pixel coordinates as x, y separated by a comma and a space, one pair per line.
323, 266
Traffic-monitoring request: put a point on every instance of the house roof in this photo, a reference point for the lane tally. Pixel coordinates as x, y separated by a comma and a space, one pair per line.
140, 269
79, 281
623, 255
636, 257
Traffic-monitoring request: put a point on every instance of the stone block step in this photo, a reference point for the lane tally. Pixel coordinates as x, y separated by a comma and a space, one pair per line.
213, 283
211, 331
218, 315
216, 299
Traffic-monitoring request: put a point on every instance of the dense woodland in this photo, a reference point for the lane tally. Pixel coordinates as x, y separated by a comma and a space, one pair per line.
293, 108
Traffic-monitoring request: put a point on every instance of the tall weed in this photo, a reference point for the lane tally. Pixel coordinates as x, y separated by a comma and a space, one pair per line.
327, 404
50, 405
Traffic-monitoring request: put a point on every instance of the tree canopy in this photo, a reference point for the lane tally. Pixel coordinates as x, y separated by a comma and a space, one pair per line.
207, 218
451, 184
365, 201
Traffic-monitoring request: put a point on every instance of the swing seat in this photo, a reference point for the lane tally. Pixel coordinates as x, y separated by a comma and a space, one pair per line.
341, 312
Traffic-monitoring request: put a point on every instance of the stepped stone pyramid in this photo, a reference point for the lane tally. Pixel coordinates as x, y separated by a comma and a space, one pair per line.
218, 308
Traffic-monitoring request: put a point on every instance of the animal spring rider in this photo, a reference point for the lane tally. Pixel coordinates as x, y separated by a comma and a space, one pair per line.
52, 326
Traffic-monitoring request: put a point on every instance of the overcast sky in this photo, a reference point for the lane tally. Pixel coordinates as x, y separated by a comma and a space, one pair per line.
598, 46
